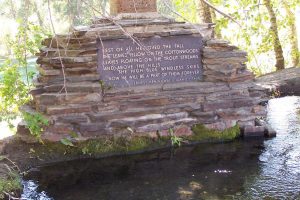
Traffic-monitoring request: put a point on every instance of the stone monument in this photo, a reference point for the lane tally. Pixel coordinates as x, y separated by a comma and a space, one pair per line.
142, 74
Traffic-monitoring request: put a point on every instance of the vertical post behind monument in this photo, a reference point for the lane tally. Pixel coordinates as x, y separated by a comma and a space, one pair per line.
132, 6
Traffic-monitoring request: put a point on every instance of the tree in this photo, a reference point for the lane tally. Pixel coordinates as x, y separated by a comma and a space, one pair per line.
274, 36
205, 12
38, 13
292, 34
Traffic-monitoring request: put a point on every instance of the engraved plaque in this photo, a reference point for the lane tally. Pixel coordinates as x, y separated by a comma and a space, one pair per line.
124, 62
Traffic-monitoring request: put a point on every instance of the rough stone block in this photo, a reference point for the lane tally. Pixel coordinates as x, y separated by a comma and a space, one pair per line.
229, 95
253, 131
221, 126
183, 131
53, 136
230, 122
165, 125
259, 110
204, 117
227, 60
144, 35
59, 128
148, 102
147, 119
248, 102
217, 43
93, 130
270, 132
211, 53
217, 105
234, 113
59, 110
246, 122
74, 87
73, 119
181, 32
22, 130
49, 72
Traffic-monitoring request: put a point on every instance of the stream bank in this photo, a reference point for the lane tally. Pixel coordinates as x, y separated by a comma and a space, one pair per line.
242, 169
252, 169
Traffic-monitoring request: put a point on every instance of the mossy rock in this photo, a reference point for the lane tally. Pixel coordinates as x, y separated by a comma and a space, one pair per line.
201, 133
121, 145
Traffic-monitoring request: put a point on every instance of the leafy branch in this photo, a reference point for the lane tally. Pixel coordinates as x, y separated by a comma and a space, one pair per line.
35, 123
14, 89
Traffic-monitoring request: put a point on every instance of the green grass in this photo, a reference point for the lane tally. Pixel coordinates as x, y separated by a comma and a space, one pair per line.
120, 145
10, 184
116, 145
99, 146
201, 133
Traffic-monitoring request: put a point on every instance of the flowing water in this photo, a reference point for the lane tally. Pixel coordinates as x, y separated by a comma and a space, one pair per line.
251, 169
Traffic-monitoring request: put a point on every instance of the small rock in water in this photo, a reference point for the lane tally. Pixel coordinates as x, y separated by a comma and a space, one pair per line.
254, 131
270, 132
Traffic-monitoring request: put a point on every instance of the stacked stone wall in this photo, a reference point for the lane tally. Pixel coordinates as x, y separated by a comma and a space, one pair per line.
70, 94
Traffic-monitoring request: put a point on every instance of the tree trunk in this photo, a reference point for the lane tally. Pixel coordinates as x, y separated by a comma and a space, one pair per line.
292, 34
38, 14
72, 6
103, 6
217, 32
204, 12
275, 38
13, 9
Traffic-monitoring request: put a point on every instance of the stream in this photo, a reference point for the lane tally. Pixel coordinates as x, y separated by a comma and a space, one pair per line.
243, 169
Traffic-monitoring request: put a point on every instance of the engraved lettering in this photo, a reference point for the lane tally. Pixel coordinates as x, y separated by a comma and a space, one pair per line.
122, 63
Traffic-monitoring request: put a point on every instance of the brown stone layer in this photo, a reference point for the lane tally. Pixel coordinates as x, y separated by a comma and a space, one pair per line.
223, 62
69, 93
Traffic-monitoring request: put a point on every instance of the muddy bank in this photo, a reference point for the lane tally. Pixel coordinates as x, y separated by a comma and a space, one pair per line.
237, 170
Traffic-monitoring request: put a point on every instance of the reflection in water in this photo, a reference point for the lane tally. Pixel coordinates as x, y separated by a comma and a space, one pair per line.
237, 170
193, 173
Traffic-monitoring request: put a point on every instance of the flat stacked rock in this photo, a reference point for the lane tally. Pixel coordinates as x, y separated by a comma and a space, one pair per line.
224, 62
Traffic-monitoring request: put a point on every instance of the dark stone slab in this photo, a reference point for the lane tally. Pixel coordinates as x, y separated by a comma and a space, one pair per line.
269, 131
146, 61
253, 131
